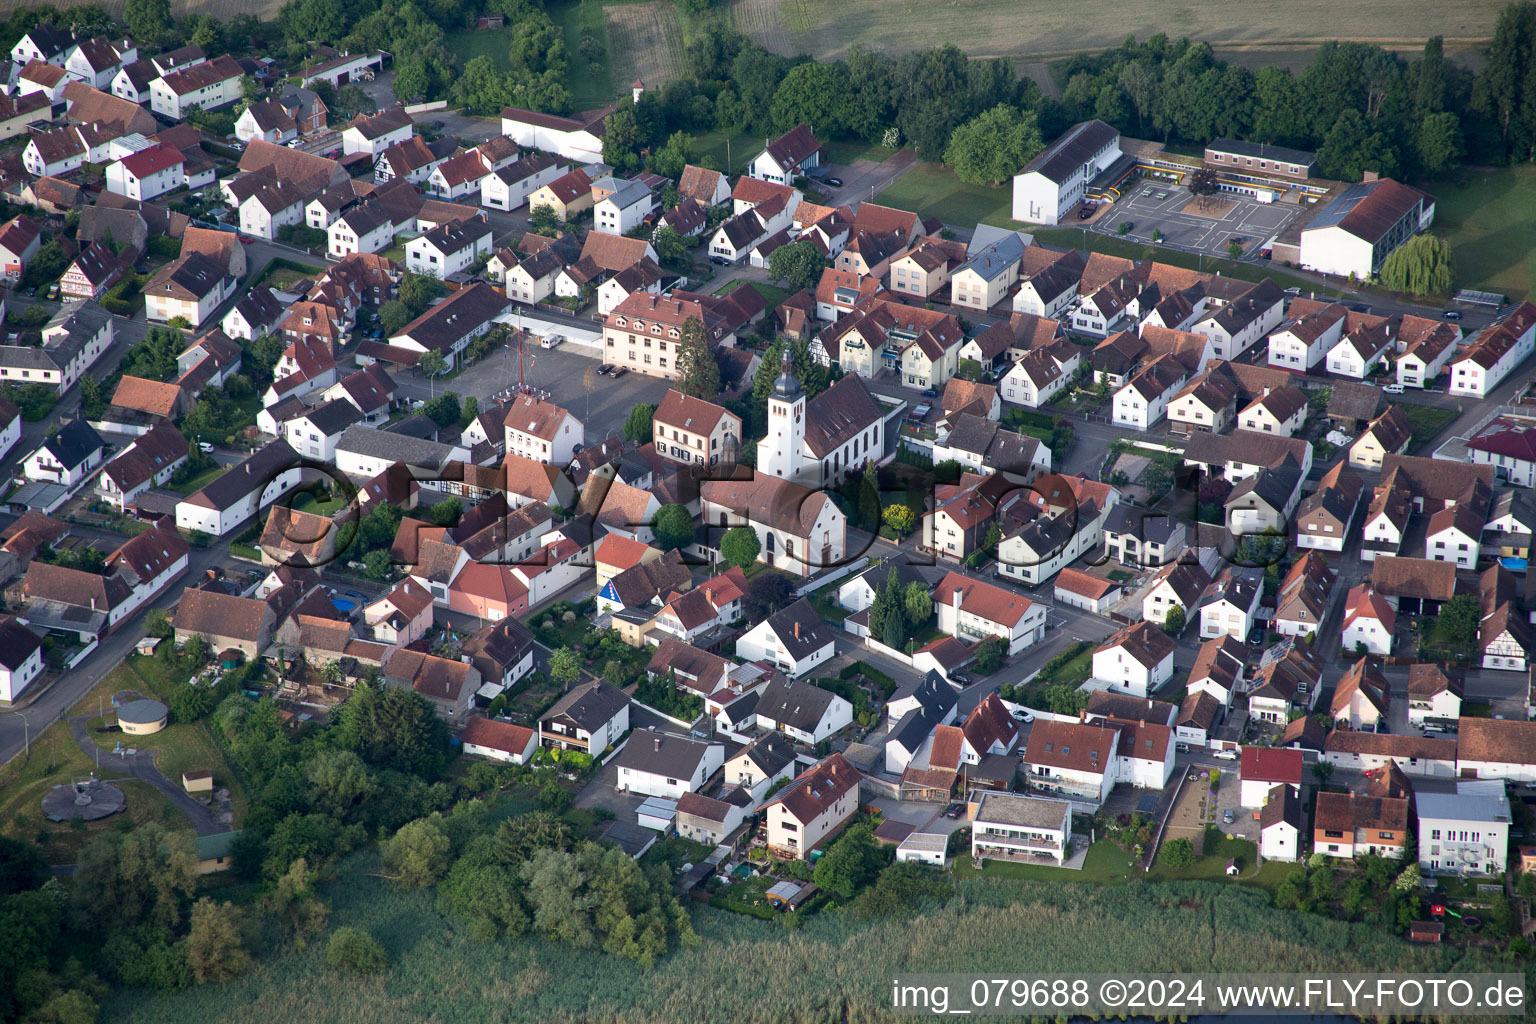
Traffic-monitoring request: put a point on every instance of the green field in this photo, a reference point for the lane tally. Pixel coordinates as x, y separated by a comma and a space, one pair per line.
590, 86
1039, 28
932, 190
1488, 216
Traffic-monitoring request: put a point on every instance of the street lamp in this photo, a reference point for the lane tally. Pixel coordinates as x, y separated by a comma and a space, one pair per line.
26, 733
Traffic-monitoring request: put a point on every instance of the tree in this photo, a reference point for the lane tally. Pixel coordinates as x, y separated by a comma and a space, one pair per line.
433, 364
418, 853
444, 409
989, 655
215, 942
1203, 182
917, 604
1177, 853
377, 564
673, 527
798, 265
638, 426
1459, 617
141, 877
395, 729
893, 632
355, 952
294, 904
1322, 771
481, 88
564, 666
740, 546
671, 249
1420, 266
811, 93
1438, 142
621, 138
1173, 623
899, 518
766, 593
1234, 250
670, 159
147, 20
849, 862
698, 373
990, 148
394, 315
544, 220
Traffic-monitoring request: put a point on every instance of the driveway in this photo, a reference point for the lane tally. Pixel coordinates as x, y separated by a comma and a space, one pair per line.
602, 794
865, 179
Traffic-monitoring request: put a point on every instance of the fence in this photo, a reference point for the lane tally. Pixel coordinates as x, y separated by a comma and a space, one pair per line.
422, 108
81, 655
832, 576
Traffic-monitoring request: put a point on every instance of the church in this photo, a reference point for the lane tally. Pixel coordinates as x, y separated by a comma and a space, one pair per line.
823, 441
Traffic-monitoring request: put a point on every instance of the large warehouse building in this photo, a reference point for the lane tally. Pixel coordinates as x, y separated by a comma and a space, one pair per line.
1355, 233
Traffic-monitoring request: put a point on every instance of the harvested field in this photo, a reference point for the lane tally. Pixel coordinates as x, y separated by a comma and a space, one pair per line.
224, 10
1038, 28
645, 41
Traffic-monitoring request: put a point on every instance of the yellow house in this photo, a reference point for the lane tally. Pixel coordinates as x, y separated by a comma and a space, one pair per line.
214, 852
923, 271
929, 362
568, 195
1388, 434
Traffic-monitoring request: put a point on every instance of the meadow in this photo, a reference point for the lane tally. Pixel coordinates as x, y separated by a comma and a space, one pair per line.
748, 971
1488, 215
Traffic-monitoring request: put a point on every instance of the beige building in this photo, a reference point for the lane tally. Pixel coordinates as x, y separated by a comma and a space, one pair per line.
644, 332
688, 429
812, 807
923, 271
567, 195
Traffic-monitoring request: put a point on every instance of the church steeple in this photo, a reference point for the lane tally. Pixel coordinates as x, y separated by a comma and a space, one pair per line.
787, 386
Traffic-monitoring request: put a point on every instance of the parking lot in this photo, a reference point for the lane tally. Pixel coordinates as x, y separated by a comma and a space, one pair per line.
1158, 206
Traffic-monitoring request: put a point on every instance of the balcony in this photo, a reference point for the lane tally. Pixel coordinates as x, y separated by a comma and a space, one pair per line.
987, 851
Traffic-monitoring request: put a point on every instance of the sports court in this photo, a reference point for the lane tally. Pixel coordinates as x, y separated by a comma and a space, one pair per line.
1175, 211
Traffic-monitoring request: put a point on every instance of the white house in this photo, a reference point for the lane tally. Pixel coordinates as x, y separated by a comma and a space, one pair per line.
1464, 831
795, 639
1433, 695
448, 248
1492, 748
147, 173
1073, 760
592, 717
374, 133
578, 138
1369, 620
806, 714
1143, 401
241, 491
1030, 830
813, 806
1054, 182
789, 156
1280, 825
1494, 352
655, 763
973, 610
542, 431
21, 657
66, 457
271, 208
623, 207
1359, 352
1137, 660
367, 228
1353, 235
1231, 604
509, 188
499, 741
207, 86
1307, 339
1263, 768
760, 764
1178, 584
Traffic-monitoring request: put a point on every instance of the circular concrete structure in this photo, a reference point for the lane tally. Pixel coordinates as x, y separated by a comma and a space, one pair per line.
90, 799
142, 717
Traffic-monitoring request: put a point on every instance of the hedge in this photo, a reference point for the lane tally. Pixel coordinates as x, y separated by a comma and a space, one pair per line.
887, 684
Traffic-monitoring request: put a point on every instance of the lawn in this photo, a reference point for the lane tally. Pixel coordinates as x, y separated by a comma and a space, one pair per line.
305, 502
932, 190
1488, 216
845, 153
198, 482
1074, 670
1427, 420
729, 153
771, 293
1106, 863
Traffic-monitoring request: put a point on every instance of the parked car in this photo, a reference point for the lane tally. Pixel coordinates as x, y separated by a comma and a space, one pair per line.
1226, 755
1181, 747
952, 811
53, 290
834, 182
1227, 817
1085, 212
619, 371
204, 447
604, 370
961, 678
1394, 389
930, 393
1023, 716
1452, 314
550, 340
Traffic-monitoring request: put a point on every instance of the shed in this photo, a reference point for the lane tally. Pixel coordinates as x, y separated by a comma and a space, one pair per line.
197, 782
657, 814
632, 839
214, 852
893, 833
924, 847
1426, 931
783, 894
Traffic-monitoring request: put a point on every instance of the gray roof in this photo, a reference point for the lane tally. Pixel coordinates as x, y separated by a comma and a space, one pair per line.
772, 754
798, 705
1478, 801
384, 444
917, 725
627, 194
814, 634
74, 443
590, 705
1260, 150
996, 258
334, 416
1024, 811
661, 753
930, 691
260, 469
1075, 147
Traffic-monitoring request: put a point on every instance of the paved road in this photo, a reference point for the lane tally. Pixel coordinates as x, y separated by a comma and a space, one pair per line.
141, 765
861, 185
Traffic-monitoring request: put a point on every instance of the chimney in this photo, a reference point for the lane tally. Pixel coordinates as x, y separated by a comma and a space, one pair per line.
657, 742
959, 593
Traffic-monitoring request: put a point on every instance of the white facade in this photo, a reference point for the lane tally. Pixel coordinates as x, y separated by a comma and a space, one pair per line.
761, 643
192, 515
498, 193
1465, 832
1280, 841
425, 258
1128, 674
569, 139
1045, 196
652, 784
1029, 829
15, 680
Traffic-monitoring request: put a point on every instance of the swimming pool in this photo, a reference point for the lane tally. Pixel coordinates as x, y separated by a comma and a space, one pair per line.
1513, 564
343, 604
